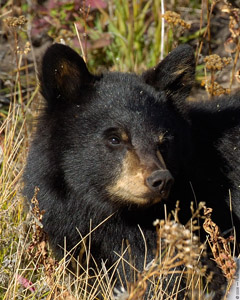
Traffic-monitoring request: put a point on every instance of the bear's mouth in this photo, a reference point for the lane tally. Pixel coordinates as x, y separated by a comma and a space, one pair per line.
158, 197
148, 198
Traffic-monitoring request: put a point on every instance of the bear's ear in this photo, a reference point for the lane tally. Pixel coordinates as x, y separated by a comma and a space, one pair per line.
174, 74
63, 74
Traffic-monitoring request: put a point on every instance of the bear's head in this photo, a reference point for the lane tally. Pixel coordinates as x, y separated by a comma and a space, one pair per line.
121, 136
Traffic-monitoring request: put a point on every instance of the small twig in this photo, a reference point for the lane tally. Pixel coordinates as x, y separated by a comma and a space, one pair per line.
80, 43
235, 63
162, 29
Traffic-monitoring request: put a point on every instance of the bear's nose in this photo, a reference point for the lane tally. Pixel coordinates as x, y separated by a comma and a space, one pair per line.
160, 181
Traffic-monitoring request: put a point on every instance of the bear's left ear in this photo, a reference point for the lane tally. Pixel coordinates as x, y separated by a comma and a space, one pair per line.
63, 74
175, 74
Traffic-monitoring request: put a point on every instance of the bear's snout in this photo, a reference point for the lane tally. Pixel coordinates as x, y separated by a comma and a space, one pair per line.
160, 181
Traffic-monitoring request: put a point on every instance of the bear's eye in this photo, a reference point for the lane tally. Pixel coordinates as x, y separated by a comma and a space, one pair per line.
165, 144
114, 140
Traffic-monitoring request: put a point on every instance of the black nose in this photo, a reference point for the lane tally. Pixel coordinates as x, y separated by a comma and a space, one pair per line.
160, 181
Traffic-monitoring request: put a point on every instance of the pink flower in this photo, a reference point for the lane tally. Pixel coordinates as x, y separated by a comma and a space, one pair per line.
26, 283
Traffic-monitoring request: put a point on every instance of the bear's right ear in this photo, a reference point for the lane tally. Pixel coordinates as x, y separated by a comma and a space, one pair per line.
174, 74
63, 74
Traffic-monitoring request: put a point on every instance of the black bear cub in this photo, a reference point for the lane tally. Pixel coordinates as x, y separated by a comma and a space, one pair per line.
111, 149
